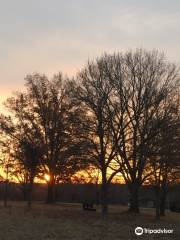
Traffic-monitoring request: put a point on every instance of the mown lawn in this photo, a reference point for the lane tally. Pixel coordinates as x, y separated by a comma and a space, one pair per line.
68, 221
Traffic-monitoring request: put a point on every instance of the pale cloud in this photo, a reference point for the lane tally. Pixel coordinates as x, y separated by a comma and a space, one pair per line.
48, 36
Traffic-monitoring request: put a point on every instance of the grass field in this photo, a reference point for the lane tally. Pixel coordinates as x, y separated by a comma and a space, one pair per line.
68, 221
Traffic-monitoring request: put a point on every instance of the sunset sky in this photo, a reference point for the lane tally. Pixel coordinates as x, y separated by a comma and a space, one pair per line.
48, 36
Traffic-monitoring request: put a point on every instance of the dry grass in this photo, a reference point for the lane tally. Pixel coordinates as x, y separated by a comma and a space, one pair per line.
68, 221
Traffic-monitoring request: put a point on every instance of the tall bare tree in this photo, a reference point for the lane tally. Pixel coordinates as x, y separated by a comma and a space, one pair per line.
142, 81
93, 91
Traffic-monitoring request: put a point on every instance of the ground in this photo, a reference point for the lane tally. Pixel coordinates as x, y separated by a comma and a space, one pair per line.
68, 221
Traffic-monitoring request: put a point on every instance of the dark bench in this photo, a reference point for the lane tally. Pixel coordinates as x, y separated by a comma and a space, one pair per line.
88, 207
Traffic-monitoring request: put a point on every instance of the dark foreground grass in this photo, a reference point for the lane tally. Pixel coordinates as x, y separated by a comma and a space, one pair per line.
68, 221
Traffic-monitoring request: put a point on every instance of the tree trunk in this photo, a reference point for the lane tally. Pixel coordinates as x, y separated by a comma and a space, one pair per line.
163, 200
30, 192
134, 195
97, 196
104, 195
6, 193
24, 191
162, 207
30, 196
157, 208
157, 192
56, 192
51, 191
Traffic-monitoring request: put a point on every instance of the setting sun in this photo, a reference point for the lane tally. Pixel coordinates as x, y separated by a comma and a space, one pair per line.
47, 177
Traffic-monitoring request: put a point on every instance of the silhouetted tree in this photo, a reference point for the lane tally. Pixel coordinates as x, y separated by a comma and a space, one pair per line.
142, 81
46, 116
57, 120
93, 92
164, 157
22, 146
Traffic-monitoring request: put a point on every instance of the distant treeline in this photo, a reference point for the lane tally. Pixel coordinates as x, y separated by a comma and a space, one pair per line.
90, 193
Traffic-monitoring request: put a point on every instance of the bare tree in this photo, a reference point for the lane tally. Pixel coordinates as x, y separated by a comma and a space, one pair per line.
92, 91
164, 157
142, 81
58, 120
45, 115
